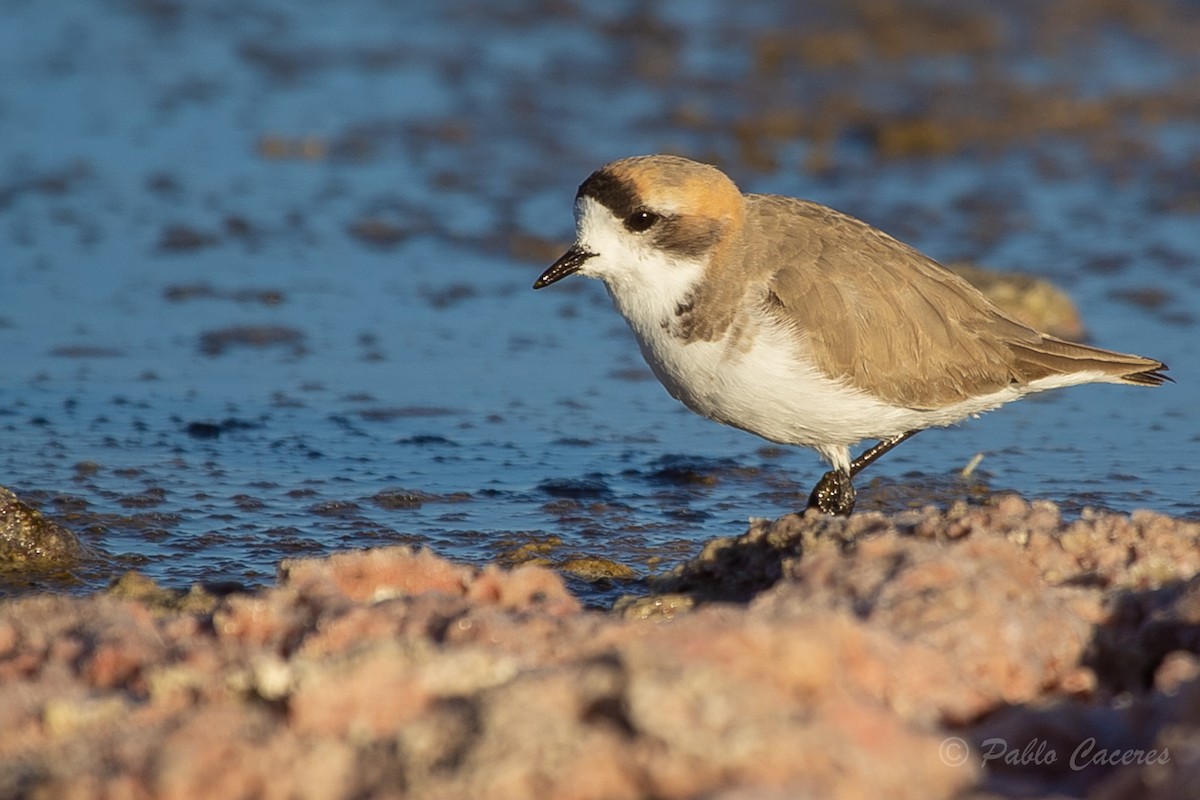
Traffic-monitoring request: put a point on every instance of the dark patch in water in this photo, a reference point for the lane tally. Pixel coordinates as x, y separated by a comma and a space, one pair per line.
85, 351
203, 291
379, 233
184, 239
445, 297
575, 488
427, 440
680, 470
203, 430
218, 342
211, 430
405, 412
335, 508
396, 499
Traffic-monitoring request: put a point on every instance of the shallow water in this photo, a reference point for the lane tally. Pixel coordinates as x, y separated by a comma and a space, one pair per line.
266, 265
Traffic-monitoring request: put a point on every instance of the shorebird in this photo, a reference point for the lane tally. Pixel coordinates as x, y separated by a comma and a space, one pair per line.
804, 325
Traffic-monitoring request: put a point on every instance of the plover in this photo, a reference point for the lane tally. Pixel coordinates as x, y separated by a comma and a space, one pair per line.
804, 325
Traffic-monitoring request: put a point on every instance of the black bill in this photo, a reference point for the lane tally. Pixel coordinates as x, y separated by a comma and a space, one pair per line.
570, 262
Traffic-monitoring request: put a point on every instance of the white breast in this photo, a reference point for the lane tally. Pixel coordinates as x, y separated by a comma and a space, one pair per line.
763, 383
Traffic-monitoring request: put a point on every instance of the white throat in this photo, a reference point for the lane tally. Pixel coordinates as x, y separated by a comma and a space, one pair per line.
647, 285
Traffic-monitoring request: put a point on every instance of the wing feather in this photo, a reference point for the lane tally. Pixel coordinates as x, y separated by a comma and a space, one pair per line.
881, 316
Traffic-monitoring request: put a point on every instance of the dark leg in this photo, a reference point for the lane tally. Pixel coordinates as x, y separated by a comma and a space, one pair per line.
868, 457
834, 493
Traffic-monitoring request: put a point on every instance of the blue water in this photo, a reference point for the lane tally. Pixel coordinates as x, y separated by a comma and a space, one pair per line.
421, 362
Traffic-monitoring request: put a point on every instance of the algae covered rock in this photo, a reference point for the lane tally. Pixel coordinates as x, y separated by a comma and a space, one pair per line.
28, 538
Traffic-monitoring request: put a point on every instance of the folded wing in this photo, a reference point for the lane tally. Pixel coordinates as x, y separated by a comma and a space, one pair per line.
880, 315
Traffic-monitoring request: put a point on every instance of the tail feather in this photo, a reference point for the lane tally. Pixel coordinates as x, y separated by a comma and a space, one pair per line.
1049, 356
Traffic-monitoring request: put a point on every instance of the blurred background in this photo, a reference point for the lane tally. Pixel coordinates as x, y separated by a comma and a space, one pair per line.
265, 266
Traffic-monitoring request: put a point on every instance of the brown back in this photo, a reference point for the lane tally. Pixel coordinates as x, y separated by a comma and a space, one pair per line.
890, 320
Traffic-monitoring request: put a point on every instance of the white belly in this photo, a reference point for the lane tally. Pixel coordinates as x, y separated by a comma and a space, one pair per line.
765, 384
769, 391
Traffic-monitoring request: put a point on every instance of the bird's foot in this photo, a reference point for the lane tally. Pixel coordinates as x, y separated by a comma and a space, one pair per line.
834, 494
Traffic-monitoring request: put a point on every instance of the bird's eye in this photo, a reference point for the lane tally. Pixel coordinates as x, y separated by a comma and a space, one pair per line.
641, 220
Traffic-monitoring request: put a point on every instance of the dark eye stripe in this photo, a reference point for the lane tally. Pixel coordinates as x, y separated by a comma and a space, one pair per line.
615, 194
687, 237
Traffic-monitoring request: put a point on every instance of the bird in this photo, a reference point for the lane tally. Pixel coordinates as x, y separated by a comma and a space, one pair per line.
804, 325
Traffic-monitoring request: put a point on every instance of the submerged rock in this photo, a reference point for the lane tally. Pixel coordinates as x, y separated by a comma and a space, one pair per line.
28, 538
1034, 301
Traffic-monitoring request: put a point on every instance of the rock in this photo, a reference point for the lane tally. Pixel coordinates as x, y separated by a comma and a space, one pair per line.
595, 569
927, 654
137, 587
1034, 301
27, 538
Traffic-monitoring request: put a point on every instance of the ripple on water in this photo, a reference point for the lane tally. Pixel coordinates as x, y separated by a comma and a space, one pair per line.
316, 331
